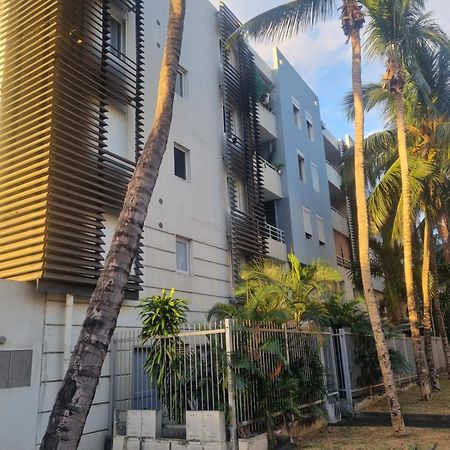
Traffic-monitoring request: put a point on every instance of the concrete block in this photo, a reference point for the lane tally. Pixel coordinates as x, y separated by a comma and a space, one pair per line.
260, 442
162, 444
148, 444
194, 445
134, 423
119, 443
151, 423
178, 445
214, 426
194, 425
215, 446
133, 443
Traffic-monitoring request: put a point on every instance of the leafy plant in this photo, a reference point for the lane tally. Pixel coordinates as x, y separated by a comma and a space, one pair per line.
162, 318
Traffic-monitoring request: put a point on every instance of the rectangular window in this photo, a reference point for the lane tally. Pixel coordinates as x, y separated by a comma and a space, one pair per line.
321, 230
307, 222
301, 167
117, 36
180, 84
315, 177
182, 252
297, 117
309, 127
180, 163
241, 195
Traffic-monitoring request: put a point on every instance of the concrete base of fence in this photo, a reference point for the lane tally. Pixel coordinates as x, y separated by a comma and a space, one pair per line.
144, 423
260, 442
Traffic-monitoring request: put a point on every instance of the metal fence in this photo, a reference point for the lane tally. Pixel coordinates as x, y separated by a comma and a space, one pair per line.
224, 365
220, 366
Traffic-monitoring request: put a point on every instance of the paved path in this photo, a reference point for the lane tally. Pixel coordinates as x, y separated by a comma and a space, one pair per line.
374, 419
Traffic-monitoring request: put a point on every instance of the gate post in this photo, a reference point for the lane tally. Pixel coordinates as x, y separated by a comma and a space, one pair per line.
346, 369
231, 384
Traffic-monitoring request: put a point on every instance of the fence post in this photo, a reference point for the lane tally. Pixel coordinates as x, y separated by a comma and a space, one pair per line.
286, 343
231, 384
346, 369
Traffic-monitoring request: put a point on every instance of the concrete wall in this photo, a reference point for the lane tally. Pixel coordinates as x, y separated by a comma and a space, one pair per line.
290, 88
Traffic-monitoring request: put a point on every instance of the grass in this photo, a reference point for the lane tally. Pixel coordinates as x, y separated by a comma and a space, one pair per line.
380, 438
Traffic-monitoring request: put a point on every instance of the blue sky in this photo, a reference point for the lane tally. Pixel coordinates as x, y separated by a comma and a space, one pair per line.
324, 61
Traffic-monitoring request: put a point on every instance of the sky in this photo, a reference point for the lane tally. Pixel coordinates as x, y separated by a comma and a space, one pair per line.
323, 60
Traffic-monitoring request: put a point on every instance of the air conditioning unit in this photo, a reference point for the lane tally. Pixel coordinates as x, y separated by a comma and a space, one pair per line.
265, 99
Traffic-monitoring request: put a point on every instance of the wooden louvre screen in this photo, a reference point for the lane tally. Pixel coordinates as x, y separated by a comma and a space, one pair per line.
248, 231
57, 177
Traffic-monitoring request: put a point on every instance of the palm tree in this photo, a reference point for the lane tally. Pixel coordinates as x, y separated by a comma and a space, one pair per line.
278, 293
75, 396
282, 22
428, 140
397, 30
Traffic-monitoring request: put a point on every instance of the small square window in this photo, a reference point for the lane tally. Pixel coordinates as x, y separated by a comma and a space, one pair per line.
180, 84
309, 127
301, 168
182, 253
180, 163
297, 117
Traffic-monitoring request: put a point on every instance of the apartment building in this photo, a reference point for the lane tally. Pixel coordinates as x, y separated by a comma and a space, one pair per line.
79, 80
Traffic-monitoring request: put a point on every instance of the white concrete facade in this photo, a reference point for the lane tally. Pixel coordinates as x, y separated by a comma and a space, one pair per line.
194, 209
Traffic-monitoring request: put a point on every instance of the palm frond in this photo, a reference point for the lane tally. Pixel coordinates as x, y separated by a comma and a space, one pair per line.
285, 21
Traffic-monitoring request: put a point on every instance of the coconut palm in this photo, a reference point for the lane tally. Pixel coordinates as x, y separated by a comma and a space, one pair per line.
282, 22
75, 396
397, 31
428, 139
274, 292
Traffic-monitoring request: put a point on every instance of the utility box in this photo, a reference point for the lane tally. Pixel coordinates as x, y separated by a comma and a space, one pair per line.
162, 444
148, 444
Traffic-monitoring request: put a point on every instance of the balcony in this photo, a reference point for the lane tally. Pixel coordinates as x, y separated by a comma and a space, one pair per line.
272, 181
343, 262
333, 176
268, 124
340, 222
276, 242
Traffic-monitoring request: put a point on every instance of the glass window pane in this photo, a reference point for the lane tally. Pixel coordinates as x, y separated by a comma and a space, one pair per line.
116, 34
179, 84
182, 256
180, 163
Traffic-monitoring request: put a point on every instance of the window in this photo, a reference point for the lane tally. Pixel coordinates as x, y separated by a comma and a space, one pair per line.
297, 117
321, 230
180, 84
117, 36
181, 163
241, 196
309, 127
301, 167
182, 252
307, 222
315, 177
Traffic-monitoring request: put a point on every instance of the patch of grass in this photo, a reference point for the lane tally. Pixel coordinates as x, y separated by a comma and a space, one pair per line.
381, 438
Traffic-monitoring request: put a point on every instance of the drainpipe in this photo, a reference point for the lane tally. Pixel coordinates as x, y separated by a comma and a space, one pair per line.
68, 319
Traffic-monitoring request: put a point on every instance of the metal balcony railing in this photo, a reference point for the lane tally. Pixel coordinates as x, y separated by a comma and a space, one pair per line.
275, 233
343, 262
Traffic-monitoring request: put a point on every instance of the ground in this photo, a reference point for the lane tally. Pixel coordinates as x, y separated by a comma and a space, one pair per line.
380, 437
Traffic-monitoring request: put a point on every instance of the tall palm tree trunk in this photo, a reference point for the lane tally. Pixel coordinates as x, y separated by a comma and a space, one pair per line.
75, 396
427, 307
439, 316
363, 240
413, 315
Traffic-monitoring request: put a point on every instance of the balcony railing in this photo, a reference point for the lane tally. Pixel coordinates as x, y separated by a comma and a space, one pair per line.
275, 233
343, 262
